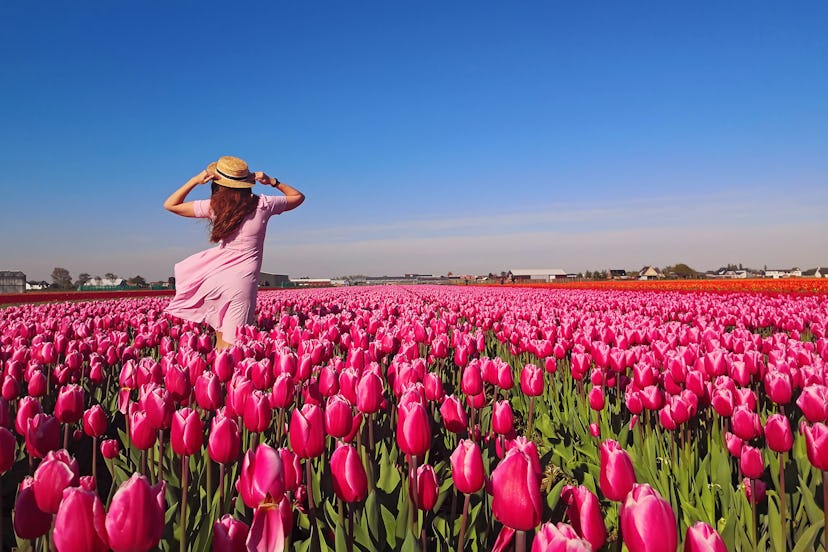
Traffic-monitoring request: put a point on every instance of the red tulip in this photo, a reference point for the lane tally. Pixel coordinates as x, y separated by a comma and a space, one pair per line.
94, 421
595, 430
778, 387
159, 408
42, 435
262, 475
292, 467
584, 513
30, 522
454, 415
224, 442
703, 538
516, 500
110, 448
531, 380
229, 535
141, 430
135, 521
177, 382
223, 365
8, 449
746, 424
187, 432
559, 538
467, 467
80, 522
816, 444
503, 418
433, 387
648, 523
57, 472
338, 416
471, 382
751, 463
283, 389
307, 431
617, 472
428, 489
413, 428
349, 479
778, 433
36, 384
505, 379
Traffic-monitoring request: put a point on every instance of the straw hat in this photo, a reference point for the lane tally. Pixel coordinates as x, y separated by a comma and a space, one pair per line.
232, 172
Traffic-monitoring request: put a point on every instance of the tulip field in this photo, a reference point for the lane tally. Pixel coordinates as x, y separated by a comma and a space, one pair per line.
420, 418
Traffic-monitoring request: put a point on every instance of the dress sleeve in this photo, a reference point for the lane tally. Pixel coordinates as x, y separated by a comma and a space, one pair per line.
201, 208
274, 204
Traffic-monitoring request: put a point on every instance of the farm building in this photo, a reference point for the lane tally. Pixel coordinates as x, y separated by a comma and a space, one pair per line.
776, 273
650, 273
267, 280
817, 272
98, 284
12, 281
536, 274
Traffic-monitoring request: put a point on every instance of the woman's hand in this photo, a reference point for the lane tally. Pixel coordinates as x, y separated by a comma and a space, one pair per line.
204, 177
264, 179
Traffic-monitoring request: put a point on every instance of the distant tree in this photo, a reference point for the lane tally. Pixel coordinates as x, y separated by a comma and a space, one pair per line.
83, 277
61, 278
588, 275
171, 281
110, 276
137, 281
683, 271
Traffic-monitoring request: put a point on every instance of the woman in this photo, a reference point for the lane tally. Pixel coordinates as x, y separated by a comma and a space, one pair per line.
218, 286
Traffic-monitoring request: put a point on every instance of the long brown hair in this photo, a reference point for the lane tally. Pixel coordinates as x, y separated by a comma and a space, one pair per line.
230, 207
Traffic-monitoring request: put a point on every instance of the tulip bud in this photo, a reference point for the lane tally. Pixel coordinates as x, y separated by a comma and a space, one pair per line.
271, 522
559, 537
30, 522
224, 442
703, 538
751, 463
617, 472
531, 380
516, 500
816, 444
8, 448
307, 431
643, 510
208, 393
584, 513
454, 416
258, 414
141, 430
338, 416
57, 472
759, 485
262, 475
472, 379
428, 489
94, 421
467, 467
349, 479
187, 432
135, 521
778, 433
229, 535
413, 428
502, 417
80, 520
110, 448
42, 435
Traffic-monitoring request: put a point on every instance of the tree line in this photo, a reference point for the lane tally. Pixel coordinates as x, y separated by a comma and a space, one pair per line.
62, 279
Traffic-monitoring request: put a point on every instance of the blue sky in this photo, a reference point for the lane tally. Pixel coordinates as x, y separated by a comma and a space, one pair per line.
428, 136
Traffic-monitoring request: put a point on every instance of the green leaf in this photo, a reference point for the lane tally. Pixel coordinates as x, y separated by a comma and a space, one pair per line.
814, 512
774, 525
805, 542
411, 543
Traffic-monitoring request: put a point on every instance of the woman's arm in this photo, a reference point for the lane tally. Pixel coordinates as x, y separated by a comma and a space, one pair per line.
175, 203
293, 196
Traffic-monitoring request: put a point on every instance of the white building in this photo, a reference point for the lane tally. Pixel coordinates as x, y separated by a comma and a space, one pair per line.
537, 274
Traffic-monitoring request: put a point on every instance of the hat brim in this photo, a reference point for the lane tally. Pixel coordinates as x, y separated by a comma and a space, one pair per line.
248, 182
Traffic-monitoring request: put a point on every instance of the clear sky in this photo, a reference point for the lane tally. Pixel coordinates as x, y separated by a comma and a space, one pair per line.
427, 136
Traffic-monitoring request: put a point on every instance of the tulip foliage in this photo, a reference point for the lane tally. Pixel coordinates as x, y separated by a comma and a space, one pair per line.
420, 418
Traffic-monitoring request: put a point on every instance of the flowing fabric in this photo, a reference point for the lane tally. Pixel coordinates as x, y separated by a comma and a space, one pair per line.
218, 285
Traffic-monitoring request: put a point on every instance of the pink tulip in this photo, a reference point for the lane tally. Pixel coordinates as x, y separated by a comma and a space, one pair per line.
224, 442
454, 415
55, 473
187, 432
208, 392
734, 444
262, 476
283, 389
338, 416
42, 435
36, 384
428, 489
778, 433
584, 513
778, 387
516, 500
648, 523
258, 414
433, 387
761, 489
369, 393
814, 403
816, 444
159, 408
703, 538
94, 421
471, 382
413, 428
559, 538
30, 522
502, 417
292, 467
349, 479
746, 424
617, 472
142, 432
110, 448
467, 467
531, 380
80, 522
307, 431
271, 522
135, 521
229, 535
751, 463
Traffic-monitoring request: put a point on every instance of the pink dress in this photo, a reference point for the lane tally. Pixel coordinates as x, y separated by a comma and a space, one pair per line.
218, 285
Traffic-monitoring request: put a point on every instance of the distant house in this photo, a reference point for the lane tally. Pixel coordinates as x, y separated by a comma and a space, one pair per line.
650, 273
12, 281
311, 282
730, 274
776, 273
36, 286
536, 274
817, 272
98, 284
267, 280
618, 274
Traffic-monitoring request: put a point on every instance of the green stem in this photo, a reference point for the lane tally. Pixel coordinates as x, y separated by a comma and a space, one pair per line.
520, 541
755, 535
531, 418
185, 471
784, 513
462, 538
